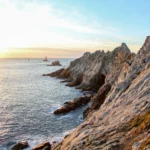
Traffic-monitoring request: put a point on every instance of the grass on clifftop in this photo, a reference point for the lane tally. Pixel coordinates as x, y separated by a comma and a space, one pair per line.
139, 125
141, 122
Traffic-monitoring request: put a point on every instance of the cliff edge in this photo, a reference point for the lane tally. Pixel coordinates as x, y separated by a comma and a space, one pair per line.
119, 115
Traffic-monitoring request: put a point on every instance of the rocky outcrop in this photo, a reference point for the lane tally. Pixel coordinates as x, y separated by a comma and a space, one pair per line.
43, 146
94, 71
55, 63
120, 115
55, 74
71, 105
89, 72
97, 100
21, 145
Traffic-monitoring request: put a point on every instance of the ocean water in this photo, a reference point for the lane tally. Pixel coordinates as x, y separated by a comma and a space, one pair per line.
27, 100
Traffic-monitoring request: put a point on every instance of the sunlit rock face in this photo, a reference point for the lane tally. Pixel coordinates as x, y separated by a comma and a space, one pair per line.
122, 121
89, 72
96, 71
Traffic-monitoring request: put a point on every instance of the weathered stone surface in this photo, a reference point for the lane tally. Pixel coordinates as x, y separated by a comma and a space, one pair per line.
98, 99
71, 105
43, 146
55, 63
89, 72
116, 121
20, 146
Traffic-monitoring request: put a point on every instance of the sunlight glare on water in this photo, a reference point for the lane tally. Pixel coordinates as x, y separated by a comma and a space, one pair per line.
27, 100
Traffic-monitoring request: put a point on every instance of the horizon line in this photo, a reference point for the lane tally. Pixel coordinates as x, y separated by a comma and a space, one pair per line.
40, 58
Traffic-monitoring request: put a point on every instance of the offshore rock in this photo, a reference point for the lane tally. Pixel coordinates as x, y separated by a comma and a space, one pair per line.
122, 120
55, 63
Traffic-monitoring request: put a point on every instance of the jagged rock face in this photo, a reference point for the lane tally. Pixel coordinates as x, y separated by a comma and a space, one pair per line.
130, 71
97, 100
107, 128
89, 72
146, 45
123, 59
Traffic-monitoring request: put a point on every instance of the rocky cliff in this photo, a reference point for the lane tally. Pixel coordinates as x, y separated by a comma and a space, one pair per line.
119, 115
89, 72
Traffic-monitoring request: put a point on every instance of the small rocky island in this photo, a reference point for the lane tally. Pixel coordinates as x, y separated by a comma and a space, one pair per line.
119, 115
45, 59
55, 63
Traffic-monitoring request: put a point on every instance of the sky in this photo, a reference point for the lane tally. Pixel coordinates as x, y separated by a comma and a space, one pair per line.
68, 28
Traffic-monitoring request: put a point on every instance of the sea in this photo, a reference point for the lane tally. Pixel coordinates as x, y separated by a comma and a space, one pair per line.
27, 102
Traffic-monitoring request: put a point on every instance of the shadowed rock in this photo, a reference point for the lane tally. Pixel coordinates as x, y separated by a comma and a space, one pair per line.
71, 105
54, 74
98, 99
20, 146
43, 146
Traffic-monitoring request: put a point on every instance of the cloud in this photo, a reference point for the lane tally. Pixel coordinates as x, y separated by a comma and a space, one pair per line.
34, 23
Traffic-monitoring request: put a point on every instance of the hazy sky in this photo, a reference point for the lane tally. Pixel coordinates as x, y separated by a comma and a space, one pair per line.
67, 28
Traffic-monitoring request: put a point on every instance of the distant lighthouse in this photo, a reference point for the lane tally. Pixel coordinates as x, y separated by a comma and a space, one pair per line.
45, 59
